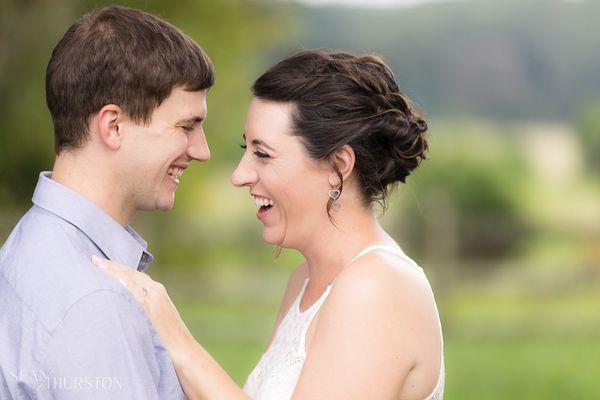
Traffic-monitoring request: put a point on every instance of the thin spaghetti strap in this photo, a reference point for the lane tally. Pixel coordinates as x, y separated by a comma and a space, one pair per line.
299, 297
391, 249
376, 247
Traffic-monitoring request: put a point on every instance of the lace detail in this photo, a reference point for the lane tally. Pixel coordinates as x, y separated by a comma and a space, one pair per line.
276, 374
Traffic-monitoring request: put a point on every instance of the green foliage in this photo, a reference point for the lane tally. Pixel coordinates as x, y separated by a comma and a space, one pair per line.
474, 177
588, 126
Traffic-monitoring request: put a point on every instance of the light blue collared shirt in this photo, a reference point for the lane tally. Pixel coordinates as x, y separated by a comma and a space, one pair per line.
68, 330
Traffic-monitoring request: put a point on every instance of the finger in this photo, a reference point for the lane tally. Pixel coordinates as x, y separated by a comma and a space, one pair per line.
109, 264
144, 278
133, 281
106, 265
100, 262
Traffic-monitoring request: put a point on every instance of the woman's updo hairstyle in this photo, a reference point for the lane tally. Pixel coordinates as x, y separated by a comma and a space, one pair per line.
343, 99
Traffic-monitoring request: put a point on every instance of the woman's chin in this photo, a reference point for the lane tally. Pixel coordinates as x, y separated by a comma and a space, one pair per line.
271, 237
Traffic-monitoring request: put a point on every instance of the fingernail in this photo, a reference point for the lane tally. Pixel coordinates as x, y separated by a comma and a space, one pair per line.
98, 262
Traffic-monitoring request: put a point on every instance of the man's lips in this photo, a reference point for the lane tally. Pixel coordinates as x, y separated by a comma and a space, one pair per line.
175, 171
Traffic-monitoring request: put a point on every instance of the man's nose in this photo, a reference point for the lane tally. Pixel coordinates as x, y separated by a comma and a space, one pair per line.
198, 147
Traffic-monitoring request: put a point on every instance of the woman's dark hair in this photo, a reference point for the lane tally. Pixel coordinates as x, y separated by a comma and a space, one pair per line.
343, 99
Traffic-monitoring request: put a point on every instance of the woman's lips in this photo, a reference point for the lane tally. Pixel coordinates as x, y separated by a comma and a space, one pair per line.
263, 211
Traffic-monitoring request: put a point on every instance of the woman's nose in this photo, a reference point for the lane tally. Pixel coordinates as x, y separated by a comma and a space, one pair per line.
243, 175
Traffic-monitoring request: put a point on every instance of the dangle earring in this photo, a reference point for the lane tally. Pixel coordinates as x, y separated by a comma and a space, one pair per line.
334, 194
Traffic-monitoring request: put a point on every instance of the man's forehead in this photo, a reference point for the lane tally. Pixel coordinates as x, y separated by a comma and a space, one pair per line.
191, 110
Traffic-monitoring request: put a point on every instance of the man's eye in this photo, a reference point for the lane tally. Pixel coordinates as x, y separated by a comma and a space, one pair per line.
187, 128
260, 154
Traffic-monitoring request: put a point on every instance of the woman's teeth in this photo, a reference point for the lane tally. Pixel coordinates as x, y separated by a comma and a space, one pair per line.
175, 173
261, 201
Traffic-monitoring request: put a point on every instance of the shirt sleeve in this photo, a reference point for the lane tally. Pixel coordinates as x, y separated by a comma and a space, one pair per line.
102, 349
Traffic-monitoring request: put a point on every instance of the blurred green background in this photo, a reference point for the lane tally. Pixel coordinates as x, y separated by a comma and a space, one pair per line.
504, 216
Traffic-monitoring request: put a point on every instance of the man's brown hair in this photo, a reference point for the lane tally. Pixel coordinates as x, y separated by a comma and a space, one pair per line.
123, 56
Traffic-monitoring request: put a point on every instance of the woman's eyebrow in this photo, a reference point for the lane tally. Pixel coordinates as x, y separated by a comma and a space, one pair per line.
258, 142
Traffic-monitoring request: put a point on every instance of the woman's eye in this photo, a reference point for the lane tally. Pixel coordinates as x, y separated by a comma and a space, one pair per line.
260, 154
243, 146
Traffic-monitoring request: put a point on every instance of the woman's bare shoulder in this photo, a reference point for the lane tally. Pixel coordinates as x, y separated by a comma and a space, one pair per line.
388, 287
384, 273
379, 323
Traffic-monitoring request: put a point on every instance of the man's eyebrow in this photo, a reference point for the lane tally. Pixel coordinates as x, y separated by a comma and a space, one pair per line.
258, 142
191, 120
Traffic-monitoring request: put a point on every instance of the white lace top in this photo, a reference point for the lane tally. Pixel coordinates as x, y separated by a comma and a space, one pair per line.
276, 374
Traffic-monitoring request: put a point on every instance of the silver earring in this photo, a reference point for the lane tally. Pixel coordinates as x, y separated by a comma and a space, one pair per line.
334, 194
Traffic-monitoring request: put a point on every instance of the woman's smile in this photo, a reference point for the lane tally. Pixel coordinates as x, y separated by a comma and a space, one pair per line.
265, 205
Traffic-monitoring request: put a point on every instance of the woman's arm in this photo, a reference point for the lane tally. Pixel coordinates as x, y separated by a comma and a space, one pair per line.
201, 377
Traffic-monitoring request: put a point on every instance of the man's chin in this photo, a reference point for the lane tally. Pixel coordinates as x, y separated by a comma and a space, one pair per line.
166, 206
165, 202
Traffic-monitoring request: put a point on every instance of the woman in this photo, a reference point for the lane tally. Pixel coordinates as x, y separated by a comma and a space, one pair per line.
325, 137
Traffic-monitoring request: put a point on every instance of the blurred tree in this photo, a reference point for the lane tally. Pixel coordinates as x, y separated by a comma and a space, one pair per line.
497, 58
29, 29
588, 125
467, 204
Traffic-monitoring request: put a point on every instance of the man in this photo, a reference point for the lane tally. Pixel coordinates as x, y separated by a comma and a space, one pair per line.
127, 94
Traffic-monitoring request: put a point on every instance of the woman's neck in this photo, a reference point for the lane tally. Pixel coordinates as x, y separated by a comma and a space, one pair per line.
330, 252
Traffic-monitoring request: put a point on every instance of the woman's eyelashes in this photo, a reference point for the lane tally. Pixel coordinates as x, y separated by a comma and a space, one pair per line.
260, 154
257, 153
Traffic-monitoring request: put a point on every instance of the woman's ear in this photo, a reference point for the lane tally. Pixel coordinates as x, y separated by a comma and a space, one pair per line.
107, 123
343, 159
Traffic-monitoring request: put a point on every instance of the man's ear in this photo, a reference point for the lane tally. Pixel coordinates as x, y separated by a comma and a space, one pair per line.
108, 119
344, 159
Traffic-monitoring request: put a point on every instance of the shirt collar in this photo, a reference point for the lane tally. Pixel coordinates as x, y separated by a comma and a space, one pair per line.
118, 243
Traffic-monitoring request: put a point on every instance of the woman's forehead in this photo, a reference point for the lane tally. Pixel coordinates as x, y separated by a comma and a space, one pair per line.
268, 120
